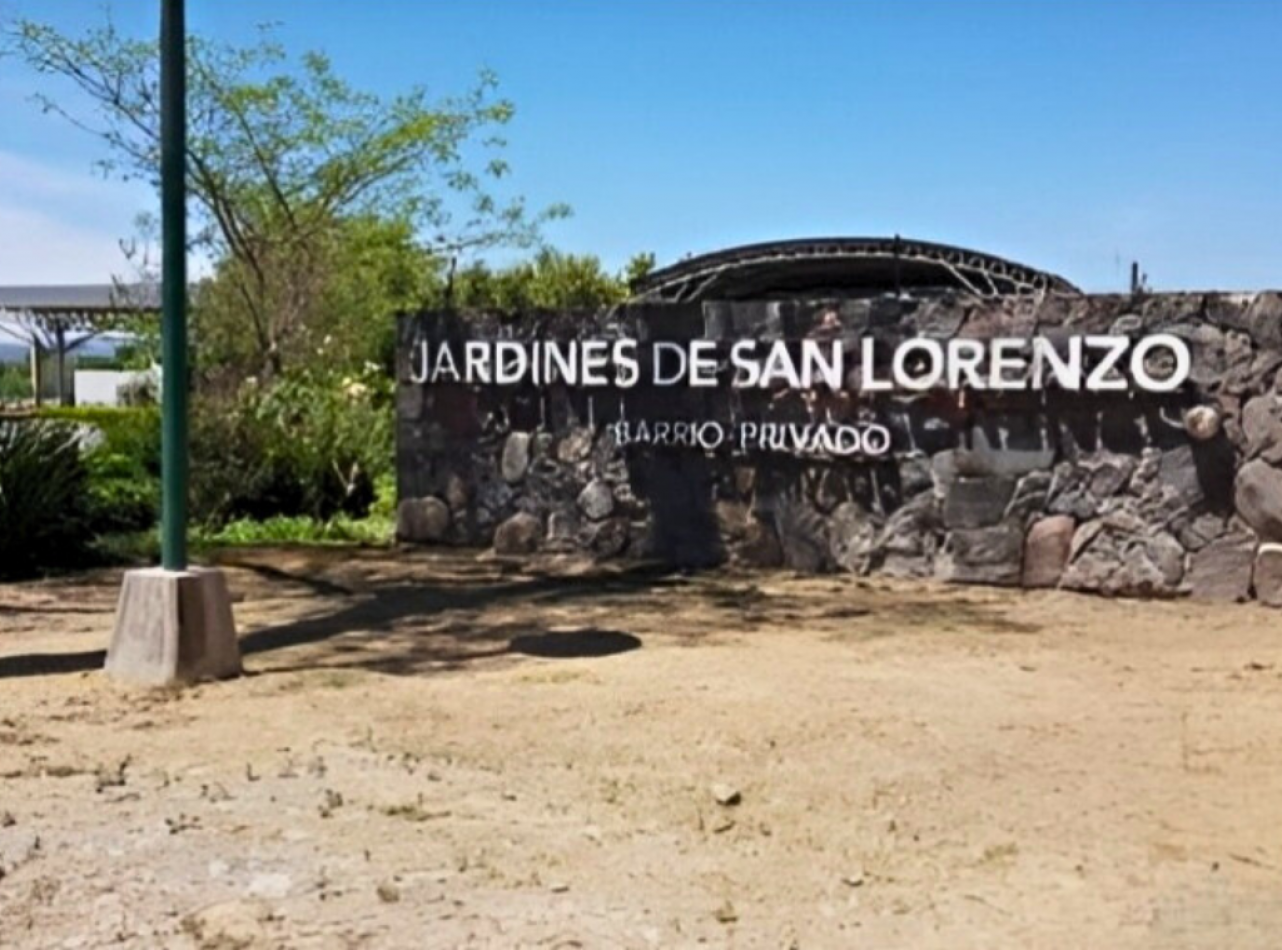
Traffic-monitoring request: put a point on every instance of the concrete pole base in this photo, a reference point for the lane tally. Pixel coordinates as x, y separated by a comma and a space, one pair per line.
173, 627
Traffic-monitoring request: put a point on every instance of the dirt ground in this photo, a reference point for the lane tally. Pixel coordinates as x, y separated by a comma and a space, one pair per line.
444, 751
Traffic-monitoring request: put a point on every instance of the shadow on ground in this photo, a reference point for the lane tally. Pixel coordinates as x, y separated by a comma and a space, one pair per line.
404, 614
411, 627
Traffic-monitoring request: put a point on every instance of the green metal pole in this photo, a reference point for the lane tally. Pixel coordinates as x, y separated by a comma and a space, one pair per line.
173, 211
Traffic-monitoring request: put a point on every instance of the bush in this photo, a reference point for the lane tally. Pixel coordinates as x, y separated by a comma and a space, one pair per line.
123, 463
44, 521
310, 445
299, 529
133, 432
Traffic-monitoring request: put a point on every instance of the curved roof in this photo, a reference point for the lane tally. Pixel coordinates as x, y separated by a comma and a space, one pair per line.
840, 267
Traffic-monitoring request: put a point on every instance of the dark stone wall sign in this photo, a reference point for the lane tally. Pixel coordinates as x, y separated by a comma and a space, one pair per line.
1125, 445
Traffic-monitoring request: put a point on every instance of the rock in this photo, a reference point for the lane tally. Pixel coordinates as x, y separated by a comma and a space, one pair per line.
516, 457
1120, 554
563, 528
760, 546
492, 496
1127, 324
1070, 494
1178, 468
1109, 475
420, 520
732, 519
608, 538
458, 493
830, 491
520, 534
852, 536
1031, 494
943, 470
1046, 550
914, 474
1262, 428
1167, 555
1239, 356
1264, 319
977, 502
991, 555
1201, 530
1222, 570
1257, 496
1267, 576
1207, 349
803, 534
908, 541
725, 795
1202, 423
576, 446
596, 500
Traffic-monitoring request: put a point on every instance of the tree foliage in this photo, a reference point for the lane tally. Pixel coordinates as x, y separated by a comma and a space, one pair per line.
550, 280
284, 154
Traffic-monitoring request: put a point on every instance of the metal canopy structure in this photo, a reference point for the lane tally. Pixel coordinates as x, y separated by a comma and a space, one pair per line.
58, 319
85, 300
843, 267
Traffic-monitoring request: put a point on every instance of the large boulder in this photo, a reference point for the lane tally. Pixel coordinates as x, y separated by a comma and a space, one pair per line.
852, 536
1257, 495
760, 546
1262, 428
520, 534
422, 520
516, 457
1046, 550
990, 555
1222, 569
1267, 577
803, 534
1178, 469
1120, 554
576, 446
1264, 319
596, 500
607, 538
907, 543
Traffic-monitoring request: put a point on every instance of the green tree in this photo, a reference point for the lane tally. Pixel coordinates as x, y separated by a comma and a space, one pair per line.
551, 280
363, 271
283, 156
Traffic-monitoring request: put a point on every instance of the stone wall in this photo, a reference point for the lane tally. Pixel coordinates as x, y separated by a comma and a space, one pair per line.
1117, 494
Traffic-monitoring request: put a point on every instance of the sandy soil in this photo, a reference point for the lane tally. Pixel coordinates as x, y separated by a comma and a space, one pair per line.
439, 751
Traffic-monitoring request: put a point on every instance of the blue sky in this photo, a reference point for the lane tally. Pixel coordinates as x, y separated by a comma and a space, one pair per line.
1072, 136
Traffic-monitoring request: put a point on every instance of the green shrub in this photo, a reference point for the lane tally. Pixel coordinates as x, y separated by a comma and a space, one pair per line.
133, 432
44, 521
123, 465
298, 529
310, 445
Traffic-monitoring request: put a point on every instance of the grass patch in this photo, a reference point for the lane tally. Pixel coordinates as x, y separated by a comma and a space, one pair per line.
297, 529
